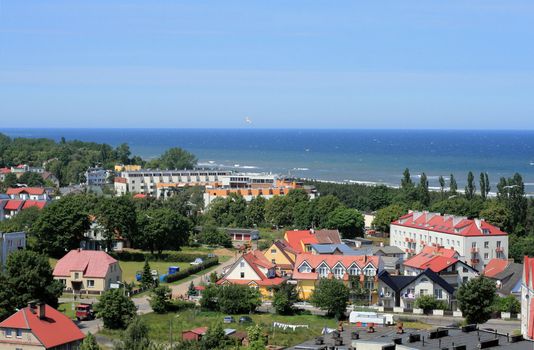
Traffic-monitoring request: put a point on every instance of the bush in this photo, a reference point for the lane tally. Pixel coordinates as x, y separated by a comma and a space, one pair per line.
191, 270
115, 309
165, 257
231, 299
179, 305
160, 299
429, 302
507, 304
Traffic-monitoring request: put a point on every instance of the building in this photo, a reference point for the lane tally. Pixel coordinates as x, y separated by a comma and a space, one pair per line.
3, 173
252, 185
476, 240
403, 291
444, 262
507, 276
9, 242
336, 249
243, 234
282, 256
39, 326
254, 270
387, 250
94, 238
527, 298
147, 181
301, 240
87, 271
128, 167
32, 193
310, 268
194, 334
97, 176
368, 220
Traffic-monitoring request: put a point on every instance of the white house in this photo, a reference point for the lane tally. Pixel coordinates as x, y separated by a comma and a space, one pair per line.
10, 242
476, 240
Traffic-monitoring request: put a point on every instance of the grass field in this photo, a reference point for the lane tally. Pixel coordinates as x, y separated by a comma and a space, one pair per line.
129, 268
159, 325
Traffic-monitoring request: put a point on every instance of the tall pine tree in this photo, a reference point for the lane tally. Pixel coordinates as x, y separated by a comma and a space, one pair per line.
470, 188
424, 195
453, 186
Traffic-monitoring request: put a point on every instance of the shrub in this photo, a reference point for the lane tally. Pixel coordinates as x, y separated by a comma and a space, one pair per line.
160, 299
191, 270
165, 256
429, 302
507, 304
179, 305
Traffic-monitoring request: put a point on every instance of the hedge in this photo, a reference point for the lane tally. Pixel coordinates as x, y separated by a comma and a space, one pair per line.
191, 270
165, 257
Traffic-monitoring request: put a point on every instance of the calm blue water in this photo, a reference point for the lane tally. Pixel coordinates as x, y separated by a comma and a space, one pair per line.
358, 155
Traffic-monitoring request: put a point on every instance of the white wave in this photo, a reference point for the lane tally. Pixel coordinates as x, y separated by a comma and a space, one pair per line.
300, 169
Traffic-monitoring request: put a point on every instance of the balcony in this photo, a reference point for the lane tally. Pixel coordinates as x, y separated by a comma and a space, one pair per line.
474, 249
387, 295
475, 261
499, 249
406, 239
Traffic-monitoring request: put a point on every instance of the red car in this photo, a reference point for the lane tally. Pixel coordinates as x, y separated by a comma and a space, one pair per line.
85, 312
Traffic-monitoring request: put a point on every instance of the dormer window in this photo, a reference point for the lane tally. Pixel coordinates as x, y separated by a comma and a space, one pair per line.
323, 270
338, 271
305, 268
369, 271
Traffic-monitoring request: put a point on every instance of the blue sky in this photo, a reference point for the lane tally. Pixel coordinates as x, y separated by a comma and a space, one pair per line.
297, 64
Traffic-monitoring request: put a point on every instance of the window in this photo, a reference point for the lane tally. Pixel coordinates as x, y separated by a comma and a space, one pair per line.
465, 269
486, 256
90, 283
486, 244
305, 268
8, 333
474, 244
338, 272
354, 271
498, 244
369, 284
242, 264
242, 275
19, 333
76, 275
438, 293
323, 271
369, 271
273, 261
273, 251
423, 292
465, 279
63, 281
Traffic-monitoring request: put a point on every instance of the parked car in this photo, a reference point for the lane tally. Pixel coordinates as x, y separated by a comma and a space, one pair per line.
197, 261
84, 312
245, 319
228, 319
211, 255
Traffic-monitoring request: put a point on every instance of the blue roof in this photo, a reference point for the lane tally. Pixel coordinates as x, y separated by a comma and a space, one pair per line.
341, 247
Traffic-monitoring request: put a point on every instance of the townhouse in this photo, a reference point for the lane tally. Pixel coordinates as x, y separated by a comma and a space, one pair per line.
474, 239
254, 270
310, 268
403, 291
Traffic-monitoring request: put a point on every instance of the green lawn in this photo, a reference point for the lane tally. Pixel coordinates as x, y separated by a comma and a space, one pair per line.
66, 308
160, 324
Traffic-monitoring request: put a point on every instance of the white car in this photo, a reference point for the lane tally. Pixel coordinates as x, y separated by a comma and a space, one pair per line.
197, 261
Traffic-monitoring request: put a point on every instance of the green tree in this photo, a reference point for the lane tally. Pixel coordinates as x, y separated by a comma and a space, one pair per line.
163, 229
115, 309
135, 337
331, 295
29, 277
175, 158
256, 338
31, 179
406, 182
508, 303
10, 180
470, 188
255, 212
497, 214
209, 298
160, 299
285, 296
238, 299
453, 186
89, 343
385, 216
23, 221
475, 299
484, 186
424, 194
147, 281
459, 206
442, 187
215, 338
122, 153
118, 217
303, 215
348, 221
322, 207
61, 225
211, 235
277, 212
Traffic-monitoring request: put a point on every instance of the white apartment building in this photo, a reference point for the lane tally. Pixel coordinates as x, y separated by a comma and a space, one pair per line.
476, 241
96, 176
148, 181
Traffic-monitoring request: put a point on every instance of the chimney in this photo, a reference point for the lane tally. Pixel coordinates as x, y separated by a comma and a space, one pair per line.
42, 311
381, 244
478, 222
31, 306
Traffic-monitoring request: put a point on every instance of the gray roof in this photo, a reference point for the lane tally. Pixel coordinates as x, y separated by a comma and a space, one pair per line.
509, 277
331, 248
397, 283
388, 249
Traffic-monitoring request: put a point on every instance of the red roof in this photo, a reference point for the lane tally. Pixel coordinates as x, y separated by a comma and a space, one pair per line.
294, 239
495, 267
54, 330
139, 195
199, 330
331, 260
92, 263
454, 225
28, 190
121, 180
31, 203
255, 260
434, 258
5, 170
13, 204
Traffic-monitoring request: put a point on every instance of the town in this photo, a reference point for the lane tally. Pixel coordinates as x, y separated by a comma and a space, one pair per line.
133, 257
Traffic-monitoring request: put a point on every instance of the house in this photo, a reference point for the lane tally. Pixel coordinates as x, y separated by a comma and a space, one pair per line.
194, 334
243, 234
10, 242
24, 193
96, 176
387, 250
94, 238
39, 326
403, 291
301, 240
475, 239
527, 298
87, 271
11, 207
282, 256
357, 242
310, 268
507, 276
336, 249
254, 270
48, 176
368, 220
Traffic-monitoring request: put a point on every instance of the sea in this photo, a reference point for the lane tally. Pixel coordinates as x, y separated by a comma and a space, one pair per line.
357, 156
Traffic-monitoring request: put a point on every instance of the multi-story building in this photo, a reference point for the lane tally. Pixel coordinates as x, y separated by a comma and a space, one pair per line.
474, 239
527, 298
96, 176
10, 242
152, 182
310, 268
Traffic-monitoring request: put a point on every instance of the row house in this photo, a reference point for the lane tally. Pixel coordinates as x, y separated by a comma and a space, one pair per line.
474, 239
310, 268
31, 193
403, 291
254, 270
11, 207
444, 262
